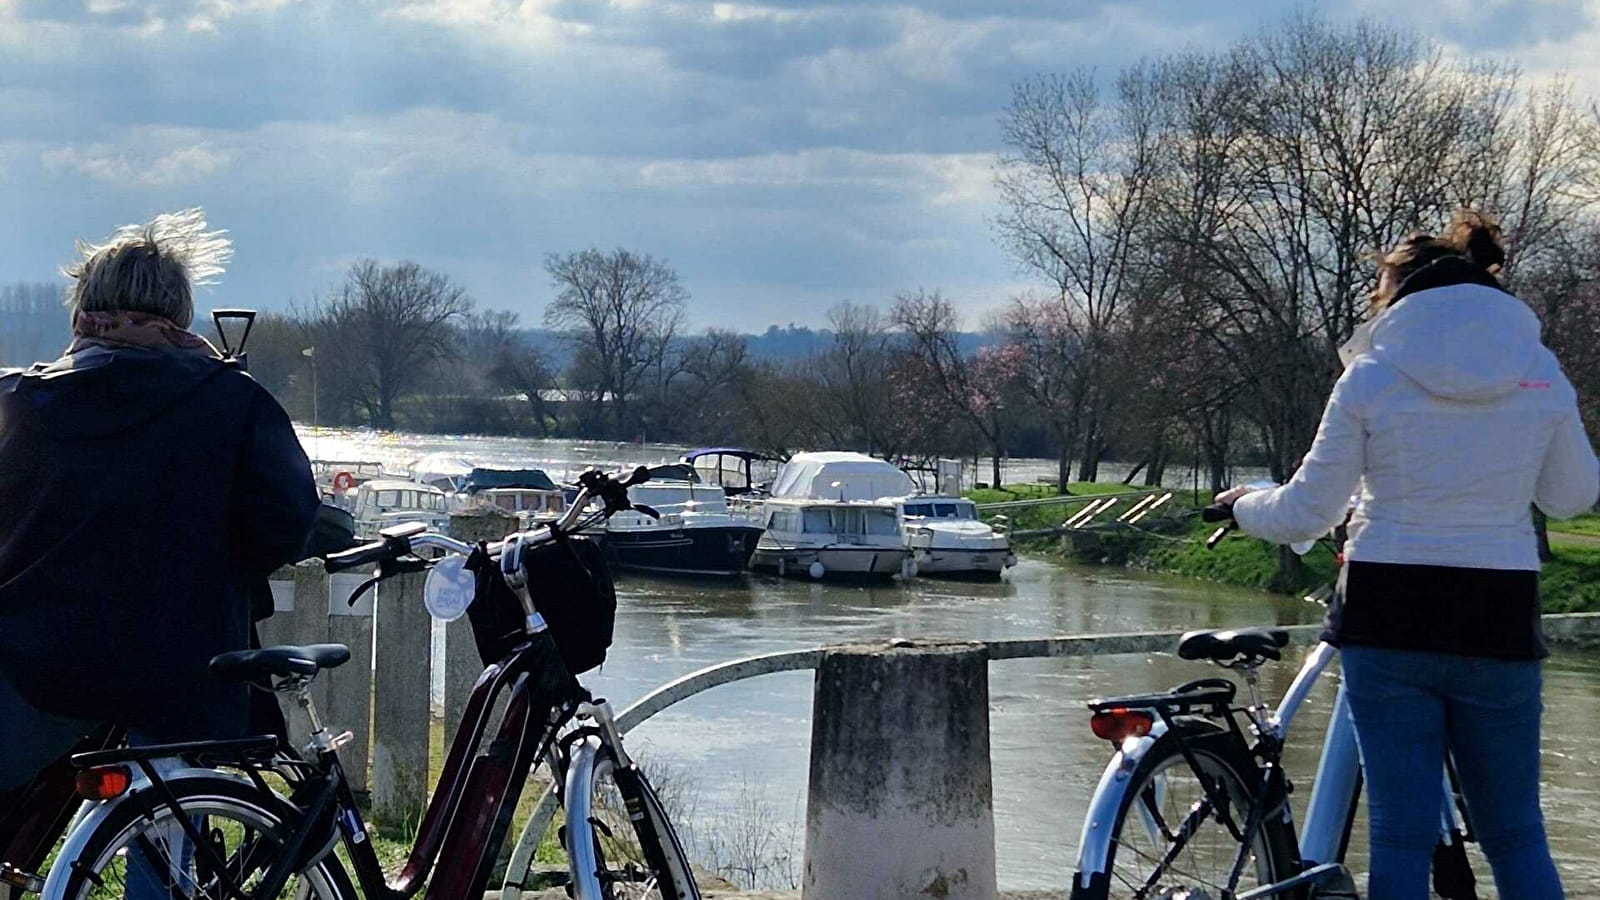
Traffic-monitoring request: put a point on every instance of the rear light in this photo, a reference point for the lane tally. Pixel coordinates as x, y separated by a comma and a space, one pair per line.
104, 782
1117, 724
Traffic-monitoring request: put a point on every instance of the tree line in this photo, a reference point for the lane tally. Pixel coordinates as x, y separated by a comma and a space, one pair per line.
1200, 229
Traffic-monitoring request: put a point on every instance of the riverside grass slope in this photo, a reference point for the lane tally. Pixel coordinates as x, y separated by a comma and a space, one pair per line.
1569, 583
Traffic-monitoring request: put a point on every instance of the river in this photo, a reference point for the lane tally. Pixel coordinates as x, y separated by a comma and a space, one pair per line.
736, 756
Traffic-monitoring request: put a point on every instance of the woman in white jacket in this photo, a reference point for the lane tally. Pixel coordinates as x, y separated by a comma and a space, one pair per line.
1450, 419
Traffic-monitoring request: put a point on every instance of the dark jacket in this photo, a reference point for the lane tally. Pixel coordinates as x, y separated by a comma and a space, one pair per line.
142, 494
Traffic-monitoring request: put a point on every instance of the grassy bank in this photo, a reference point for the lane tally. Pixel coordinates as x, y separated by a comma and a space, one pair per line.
1048, 515
1569, 583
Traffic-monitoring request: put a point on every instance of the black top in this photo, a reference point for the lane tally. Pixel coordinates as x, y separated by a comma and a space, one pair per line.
145, 494
1441, 609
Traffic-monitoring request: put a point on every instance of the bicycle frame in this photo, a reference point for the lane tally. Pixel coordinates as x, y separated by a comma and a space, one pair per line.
470, 812
1329, 814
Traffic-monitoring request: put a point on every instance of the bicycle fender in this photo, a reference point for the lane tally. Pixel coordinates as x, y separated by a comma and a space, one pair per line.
92, 815
1094, 845
580, 845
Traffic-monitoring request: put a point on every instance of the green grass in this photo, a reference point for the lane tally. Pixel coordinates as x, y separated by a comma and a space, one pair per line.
1009, 492
1589, 523
1048, 515
1569, 583
393, 843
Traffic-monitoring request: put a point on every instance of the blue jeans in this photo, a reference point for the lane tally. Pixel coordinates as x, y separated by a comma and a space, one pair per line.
1409, 707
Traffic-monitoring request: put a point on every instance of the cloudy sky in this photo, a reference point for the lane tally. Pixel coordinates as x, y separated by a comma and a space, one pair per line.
783, 155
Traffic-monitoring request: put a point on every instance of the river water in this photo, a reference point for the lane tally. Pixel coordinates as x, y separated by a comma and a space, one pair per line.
735, 757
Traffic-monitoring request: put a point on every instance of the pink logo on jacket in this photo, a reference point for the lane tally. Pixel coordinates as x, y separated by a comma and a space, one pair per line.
1534, 385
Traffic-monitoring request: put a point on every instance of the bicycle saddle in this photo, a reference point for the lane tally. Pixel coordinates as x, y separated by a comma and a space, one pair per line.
283, 661
1228, 644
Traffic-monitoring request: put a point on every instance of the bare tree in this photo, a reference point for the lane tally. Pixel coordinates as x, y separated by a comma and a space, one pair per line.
33, 324
389, 324
970, 389
622, 310
853, 374
1074, 189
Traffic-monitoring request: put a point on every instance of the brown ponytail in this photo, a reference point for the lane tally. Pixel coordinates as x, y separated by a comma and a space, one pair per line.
1478, 238
1471, 235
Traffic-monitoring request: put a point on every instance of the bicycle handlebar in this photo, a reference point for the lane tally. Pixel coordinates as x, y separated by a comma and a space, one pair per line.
1217, 512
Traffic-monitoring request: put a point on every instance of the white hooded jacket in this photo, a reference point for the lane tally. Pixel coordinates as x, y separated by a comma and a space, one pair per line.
1447, 427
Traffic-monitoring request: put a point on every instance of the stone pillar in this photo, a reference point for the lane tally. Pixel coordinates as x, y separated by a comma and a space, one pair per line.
402, 635
349, 706
901, 799
462, 666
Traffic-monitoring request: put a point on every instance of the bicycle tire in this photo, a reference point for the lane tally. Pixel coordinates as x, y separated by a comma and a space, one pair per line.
224, 808
1128, 867
607, 806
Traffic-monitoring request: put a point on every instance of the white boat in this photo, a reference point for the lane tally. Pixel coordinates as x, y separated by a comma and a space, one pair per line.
696, 533
383, 502
446, 472
946, 537
823, 538
942, 532
528, 494
337, 479
827, 516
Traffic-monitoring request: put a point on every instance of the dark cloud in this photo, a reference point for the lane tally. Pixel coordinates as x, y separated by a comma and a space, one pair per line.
782, 155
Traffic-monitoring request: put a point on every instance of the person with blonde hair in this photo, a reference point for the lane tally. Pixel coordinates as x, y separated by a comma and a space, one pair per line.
1450, 422
149, 487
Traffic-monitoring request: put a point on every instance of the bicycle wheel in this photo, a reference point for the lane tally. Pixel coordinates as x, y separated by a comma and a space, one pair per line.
140, 851
620, 843
1168, 837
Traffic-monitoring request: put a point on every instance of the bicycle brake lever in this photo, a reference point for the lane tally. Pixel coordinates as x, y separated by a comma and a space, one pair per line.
646, 510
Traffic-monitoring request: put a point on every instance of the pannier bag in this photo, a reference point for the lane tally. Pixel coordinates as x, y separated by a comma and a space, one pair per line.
571, 587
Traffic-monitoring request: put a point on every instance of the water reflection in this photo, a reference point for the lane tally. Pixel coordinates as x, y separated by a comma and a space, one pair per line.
752, 737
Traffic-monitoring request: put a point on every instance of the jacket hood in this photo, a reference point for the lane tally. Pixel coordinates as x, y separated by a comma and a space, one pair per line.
98, 392
1459, 341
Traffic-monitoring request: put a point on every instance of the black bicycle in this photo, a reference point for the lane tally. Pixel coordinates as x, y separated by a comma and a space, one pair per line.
204, 820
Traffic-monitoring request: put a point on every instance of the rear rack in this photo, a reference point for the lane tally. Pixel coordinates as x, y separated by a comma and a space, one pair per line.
1204, 694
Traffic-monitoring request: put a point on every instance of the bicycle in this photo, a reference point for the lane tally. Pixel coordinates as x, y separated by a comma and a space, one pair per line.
204, 821
1194, 804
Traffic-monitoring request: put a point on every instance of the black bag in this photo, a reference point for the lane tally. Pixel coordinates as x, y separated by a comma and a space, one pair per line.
571, 587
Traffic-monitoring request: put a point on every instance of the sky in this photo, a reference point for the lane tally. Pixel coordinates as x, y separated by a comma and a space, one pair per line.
782, 156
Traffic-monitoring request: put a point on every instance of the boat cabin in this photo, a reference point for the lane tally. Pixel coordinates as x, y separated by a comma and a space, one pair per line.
736, 471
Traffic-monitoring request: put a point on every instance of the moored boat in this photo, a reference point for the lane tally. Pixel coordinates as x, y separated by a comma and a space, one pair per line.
695, 534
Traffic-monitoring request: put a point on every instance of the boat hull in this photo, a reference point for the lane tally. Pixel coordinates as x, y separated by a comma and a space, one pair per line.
952, 562
842, 561
721, 550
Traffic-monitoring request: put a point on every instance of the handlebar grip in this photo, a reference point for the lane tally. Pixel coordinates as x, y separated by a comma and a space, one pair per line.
1216, 512
356, 557
640, 476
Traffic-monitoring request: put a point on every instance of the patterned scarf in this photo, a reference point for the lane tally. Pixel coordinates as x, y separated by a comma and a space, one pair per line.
117, 329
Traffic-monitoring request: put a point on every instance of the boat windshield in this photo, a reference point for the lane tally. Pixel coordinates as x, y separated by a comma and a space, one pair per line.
930, 509
409, 500
850, 520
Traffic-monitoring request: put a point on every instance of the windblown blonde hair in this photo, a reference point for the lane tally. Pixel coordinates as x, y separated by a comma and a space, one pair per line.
151, 268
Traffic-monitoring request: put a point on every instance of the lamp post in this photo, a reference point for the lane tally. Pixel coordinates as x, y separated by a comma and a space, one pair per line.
311, 354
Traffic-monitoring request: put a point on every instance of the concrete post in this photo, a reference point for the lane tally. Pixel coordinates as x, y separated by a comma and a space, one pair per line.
400, 717
461, 663
349, 706
300, 616
901, 799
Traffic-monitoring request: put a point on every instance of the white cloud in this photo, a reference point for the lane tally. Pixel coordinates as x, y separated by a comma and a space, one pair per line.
139, 164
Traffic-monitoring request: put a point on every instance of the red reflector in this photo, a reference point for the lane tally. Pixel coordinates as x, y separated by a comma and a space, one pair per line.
1116, 724
104, 782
